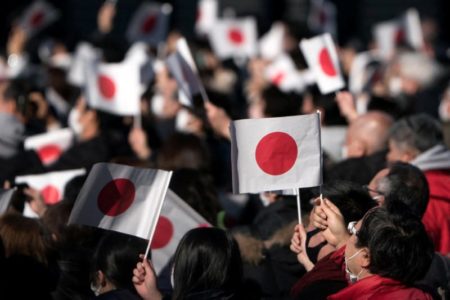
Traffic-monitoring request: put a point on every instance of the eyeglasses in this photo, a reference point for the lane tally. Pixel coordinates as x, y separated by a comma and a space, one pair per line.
352, 228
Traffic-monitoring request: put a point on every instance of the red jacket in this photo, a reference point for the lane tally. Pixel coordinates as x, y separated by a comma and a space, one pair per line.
437, 215
379, 288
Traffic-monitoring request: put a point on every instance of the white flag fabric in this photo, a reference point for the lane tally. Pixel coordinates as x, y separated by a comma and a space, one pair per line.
183, 48
361, 71
234, 38
37, 16
150, 23
276, 153
188, 82
207, 15
121, 198
283, 73
49, 146
322, 59
176, 218
414, 34
5, 199
85, 54
405, 29
271, 44
50, 185
115, 87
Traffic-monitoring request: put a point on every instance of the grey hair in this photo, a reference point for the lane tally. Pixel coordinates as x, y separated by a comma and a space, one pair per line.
419, 132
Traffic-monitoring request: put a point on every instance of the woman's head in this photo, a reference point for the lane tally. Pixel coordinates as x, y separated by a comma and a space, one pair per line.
390, 243
114, 260
24, 236
206, 259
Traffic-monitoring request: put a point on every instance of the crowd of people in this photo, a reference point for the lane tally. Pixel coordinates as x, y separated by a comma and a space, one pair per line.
378, 227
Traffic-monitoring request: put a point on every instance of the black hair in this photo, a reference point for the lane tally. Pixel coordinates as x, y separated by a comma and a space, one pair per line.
116, 256
398, 244
407, 184
207, 259
419, 132
197, 189
351, 199
280, 104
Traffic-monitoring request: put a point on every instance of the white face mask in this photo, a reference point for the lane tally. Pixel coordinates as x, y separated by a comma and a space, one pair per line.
395, 86
157, 105
352, 277
74, 121
344, 152
444, 113
95, 289
182, 121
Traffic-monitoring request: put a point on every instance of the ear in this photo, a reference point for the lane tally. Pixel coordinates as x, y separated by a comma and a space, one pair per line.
409, 155
365, 258
101, 278
356, 149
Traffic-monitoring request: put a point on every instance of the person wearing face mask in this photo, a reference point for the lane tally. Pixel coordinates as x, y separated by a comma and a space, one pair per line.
324, 262
387, 252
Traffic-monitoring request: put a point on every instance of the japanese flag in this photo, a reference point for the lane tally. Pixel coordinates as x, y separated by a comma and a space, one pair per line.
271, 44
276, 153
406, 29
234, 38
321, 57
5, 199
85, 54
37, 16
50, 185
187, 80
175, 220
115, 88
150, 23
207, 15
121, 198
283, 74
49, 146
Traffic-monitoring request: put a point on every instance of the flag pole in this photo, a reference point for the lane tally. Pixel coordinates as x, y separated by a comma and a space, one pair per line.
299, 208
137, 121
321, 156
148, 249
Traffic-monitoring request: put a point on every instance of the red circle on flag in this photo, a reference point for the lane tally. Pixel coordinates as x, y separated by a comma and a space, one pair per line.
163, 233
50, 194
278, 78
235, 36
49, 153
106, 86
399, 36
276, 153
326, 63
198, 15
37, 18
149, 24
116, 197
